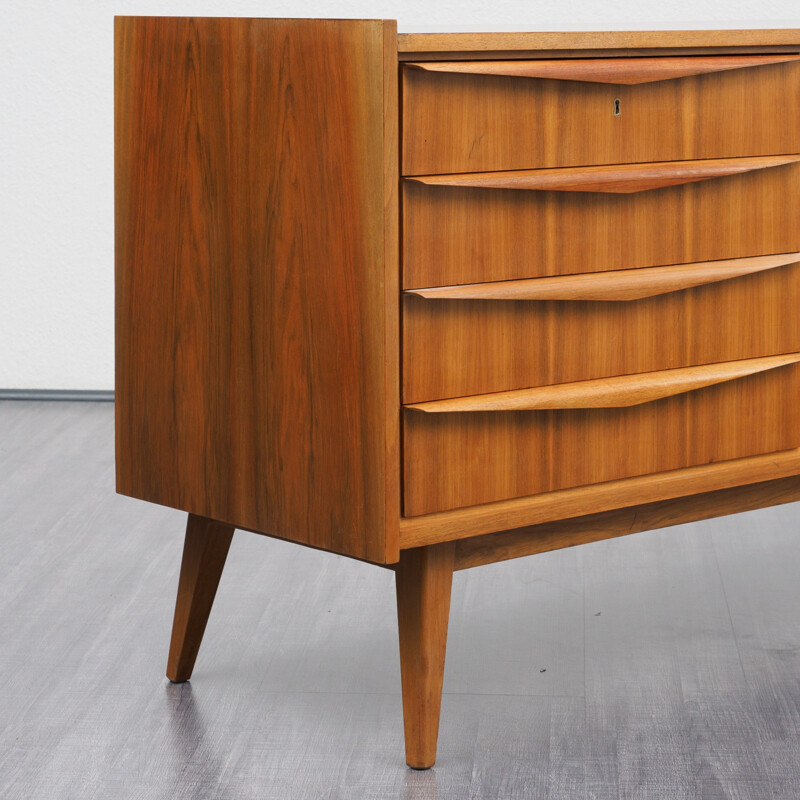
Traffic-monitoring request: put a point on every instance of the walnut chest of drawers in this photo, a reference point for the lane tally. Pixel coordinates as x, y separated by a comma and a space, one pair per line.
433, 301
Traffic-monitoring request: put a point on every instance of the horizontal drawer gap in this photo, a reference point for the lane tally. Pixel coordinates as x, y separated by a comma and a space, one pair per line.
618, 392
616, 179
616, 285
626, 71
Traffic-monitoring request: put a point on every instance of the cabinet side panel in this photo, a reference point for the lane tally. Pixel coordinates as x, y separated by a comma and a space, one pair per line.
251, 309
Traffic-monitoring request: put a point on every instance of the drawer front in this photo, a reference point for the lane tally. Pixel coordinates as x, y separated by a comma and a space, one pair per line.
465, 229
476, 450
490, 337
479, 116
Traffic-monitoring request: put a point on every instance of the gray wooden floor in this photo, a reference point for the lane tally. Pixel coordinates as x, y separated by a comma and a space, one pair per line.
663, 665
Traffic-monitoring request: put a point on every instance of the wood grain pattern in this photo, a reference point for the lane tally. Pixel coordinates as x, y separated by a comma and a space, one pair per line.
464, 459
629, 71
488, 549
256, 311
619, 392
453, 348
614, 286
456, 123
617, 179
204, 552
258, 241
423, 579
595, 40
567, 503
454, 235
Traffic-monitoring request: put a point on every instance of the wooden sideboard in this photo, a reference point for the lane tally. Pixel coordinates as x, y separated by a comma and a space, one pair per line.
436, 300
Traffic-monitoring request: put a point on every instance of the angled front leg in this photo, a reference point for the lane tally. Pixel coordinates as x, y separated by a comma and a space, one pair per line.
424, 577
204, 552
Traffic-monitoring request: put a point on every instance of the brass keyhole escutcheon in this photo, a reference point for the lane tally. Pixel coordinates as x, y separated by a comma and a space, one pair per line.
617, 109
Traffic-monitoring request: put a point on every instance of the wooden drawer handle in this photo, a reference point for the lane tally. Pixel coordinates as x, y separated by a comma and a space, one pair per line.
616, 179
618, 285
629, 71
620, 392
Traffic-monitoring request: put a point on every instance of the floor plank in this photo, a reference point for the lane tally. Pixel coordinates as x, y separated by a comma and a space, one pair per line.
671, 659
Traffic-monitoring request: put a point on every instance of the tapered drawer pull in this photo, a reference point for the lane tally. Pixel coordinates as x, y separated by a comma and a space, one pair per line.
619, 285
628, 71
628, 390
617, 179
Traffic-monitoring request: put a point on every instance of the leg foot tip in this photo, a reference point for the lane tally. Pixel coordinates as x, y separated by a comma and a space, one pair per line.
421, 765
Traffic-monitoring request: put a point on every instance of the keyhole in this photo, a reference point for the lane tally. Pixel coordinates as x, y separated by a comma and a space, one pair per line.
617, 111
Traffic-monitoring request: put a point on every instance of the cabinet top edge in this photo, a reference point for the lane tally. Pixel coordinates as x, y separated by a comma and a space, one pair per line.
595, 40
585, 40
249, 19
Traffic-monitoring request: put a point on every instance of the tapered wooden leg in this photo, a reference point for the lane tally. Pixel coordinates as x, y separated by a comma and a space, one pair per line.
424, 577
204, 552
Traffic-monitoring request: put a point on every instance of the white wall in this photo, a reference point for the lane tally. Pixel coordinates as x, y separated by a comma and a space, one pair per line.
56, 146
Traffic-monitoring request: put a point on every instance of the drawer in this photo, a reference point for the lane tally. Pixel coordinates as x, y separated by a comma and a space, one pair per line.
478, 449
490, 337
474, 228
490, 115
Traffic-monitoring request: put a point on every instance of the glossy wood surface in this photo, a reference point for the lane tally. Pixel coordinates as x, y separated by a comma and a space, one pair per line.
615, 286
256, 317
618, 179
475, 123
455, 235
423, 579
617, 392
205, 549
567, 503
456, 460
458, 347
596, 40
628, 71
493, 547
258, 313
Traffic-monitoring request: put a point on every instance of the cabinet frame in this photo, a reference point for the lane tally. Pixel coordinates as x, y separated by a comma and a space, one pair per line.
258, 316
